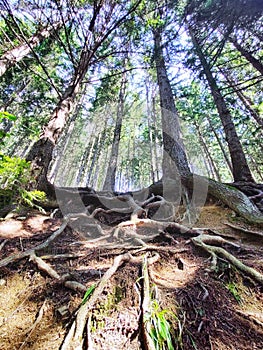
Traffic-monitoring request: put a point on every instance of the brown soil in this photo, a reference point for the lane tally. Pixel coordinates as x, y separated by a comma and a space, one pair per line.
214, 310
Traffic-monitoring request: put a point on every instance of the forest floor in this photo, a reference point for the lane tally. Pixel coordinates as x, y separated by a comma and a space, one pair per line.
219, 309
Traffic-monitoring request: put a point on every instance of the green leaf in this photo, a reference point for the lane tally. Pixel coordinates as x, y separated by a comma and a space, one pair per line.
88, 294
162, 329
8, 116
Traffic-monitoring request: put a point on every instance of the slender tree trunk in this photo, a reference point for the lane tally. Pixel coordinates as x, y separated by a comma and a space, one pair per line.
213, 167
101, 178
101, 146
241, 171
249, 106
14, 95
94, 158
87, 165
248, 56
228, 162
15, 55
175, 162
109, 184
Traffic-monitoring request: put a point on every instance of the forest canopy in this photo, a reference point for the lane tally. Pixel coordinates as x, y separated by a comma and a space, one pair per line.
120, 95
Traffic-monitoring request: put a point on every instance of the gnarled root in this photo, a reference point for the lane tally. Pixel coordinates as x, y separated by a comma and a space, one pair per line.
205, 242
74, 338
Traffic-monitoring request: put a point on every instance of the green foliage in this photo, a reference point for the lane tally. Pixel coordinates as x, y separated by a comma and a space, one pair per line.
13, 170
14, 179
8, 116
231, 286
5, 116
29, 197
159, 327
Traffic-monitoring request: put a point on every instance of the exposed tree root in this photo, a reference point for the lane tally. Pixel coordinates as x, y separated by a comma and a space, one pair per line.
139, 203
253, 191
62, 256
205, 241
236, 200
43, 266
158, 226
2, 244
242, 229
74, 339
15, 257
256, 317
146, 306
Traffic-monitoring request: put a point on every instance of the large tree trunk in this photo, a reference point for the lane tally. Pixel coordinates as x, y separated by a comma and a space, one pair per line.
241, 171
177, 165
41, 152
248, 56
109, 183
15, 55
149, 120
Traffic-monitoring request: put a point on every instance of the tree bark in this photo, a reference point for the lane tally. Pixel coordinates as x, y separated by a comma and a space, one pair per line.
93, 40
149, 121
241, 171
175, 162
41, 152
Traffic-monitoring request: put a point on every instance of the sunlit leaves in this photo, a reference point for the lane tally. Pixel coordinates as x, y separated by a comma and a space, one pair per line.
8, 116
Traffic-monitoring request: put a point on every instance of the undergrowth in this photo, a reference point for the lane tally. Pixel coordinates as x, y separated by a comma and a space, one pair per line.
15, 180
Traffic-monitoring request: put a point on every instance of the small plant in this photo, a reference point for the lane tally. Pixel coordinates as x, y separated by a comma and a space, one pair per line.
31, 197
14, 179
159, 328
231, 286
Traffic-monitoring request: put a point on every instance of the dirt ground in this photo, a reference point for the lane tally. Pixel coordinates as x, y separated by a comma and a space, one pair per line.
207, 309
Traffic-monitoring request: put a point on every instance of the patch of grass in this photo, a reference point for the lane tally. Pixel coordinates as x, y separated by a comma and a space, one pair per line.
232, 287
158, 325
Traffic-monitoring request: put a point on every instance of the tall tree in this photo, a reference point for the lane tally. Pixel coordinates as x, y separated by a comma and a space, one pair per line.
243, 98
174, 159
241, 171
104, 20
